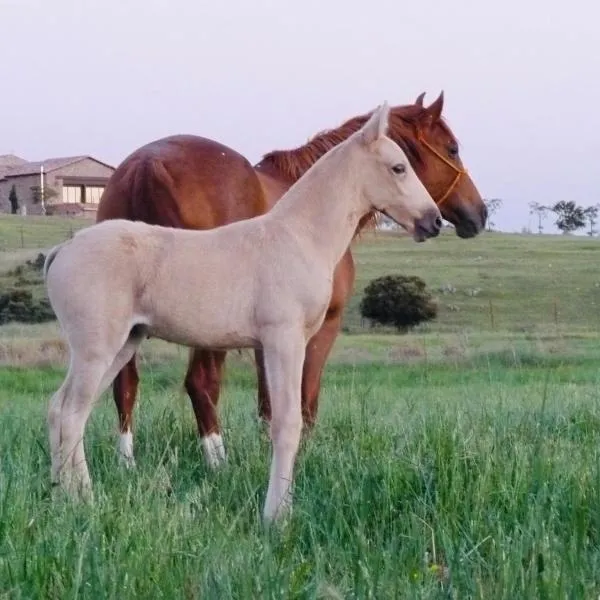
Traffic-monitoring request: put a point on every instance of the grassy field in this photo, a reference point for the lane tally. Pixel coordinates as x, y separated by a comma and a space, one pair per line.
495, 282
459, 461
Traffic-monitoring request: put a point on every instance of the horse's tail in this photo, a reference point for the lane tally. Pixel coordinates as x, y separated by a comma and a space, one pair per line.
141, 189
50, 258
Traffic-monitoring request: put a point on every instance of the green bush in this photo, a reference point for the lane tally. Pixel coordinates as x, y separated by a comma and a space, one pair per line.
18, 303
398, 300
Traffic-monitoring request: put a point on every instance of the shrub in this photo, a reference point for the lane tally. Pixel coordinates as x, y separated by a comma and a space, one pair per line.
20, 305
14, 200
398, 300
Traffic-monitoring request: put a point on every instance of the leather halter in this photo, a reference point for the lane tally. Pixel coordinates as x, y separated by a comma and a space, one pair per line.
458, 170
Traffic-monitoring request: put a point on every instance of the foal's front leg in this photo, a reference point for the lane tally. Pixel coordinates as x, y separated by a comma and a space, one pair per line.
283, 360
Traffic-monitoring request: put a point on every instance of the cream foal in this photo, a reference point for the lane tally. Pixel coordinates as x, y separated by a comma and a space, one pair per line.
263, 281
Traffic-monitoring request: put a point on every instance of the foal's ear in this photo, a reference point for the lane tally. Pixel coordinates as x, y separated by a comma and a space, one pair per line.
377, 125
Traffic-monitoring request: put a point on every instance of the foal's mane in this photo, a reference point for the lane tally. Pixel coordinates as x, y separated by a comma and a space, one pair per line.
404, 122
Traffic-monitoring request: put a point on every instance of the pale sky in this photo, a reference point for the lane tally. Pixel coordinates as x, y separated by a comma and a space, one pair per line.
521, 80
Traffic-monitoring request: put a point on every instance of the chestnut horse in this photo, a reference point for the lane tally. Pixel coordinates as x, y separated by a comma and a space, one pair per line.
192, 182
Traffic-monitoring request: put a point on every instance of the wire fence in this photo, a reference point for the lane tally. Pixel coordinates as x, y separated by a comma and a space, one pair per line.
37, 233
511, 283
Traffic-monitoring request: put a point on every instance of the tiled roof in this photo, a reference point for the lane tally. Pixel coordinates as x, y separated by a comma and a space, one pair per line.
50, 164
14, 166
8, 162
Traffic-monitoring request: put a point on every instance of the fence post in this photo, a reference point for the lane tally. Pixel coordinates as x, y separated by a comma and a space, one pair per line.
492, 322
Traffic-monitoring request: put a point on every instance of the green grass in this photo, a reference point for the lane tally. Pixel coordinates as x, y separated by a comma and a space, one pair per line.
524, 281
491, 468
502, 282
471, 442
36, 232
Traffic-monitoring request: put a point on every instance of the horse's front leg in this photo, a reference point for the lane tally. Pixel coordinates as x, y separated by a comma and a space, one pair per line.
317, 352
264, 402
283, 359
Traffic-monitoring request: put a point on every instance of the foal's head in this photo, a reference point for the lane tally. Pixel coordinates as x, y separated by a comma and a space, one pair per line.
390, 184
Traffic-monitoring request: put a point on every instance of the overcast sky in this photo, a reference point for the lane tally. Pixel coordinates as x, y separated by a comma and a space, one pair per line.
521, 80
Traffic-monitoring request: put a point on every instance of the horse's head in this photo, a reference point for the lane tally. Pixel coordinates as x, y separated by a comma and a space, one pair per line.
389, 182
433, 150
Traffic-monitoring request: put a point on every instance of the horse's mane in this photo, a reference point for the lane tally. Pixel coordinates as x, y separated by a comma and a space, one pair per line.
403, 124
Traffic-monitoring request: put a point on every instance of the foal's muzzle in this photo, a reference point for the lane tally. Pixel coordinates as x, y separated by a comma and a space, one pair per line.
428, 226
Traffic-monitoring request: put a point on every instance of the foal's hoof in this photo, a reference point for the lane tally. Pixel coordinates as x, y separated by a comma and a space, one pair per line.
279, 521
127, 461
70, 491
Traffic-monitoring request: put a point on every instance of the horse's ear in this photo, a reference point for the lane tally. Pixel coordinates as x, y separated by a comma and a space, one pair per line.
433, 112
377, 125
419, 100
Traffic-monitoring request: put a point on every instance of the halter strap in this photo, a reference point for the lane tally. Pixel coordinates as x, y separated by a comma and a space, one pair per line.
445, 160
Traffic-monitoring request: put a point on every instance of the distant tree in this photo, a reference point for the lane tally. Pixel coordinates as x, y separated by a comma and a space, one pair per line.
570, 217
492, 204
14, 200
591, 214
399, 300
49, 194
535, 208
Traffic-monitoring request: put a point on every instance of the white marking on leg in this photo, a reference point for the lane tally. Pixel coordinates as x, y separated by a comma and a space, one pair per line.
126, 448
214, 450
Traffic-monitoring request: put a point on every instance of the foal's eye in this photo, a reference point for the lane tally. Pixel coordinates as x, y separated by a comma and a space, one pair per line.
399, 169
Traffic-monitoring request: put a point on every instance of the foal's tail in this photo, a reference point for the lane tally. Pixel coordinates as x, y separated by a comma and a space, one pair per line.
50, 258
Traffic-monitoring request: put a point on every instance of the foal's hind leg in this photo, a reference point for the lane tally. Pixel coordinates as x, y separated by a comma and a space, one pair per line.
203, 382
125, 387
69, 411
283, 359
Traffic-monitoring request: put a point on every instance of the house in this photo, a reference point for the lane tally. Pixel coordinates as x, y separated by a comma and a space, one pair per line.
72, 184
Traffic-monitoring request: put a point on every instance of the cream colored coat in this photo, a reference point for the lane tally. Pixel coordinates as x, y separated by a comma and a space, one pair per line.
264, 282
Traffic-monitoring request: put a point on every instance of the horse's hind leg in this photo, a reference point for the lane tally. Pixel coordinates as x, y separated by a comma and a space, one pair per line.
283, 359
125, 387
202, 383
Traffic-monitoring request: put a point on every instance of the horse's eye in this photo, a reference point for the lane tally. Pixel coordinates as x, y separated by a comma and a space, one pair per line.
399, 169
453, 151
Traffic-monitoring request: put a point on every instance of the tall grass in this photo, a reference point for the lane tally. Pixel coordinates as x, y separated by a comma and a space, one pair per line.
426, 481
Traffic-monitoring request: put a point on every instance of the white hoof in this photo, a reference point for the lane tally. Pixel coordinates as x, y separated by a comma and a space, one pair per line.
214, 450
126, 449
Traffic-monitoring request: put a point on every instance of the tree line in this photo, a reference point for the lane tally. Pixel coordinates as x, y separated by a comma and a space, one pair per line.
568, 215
